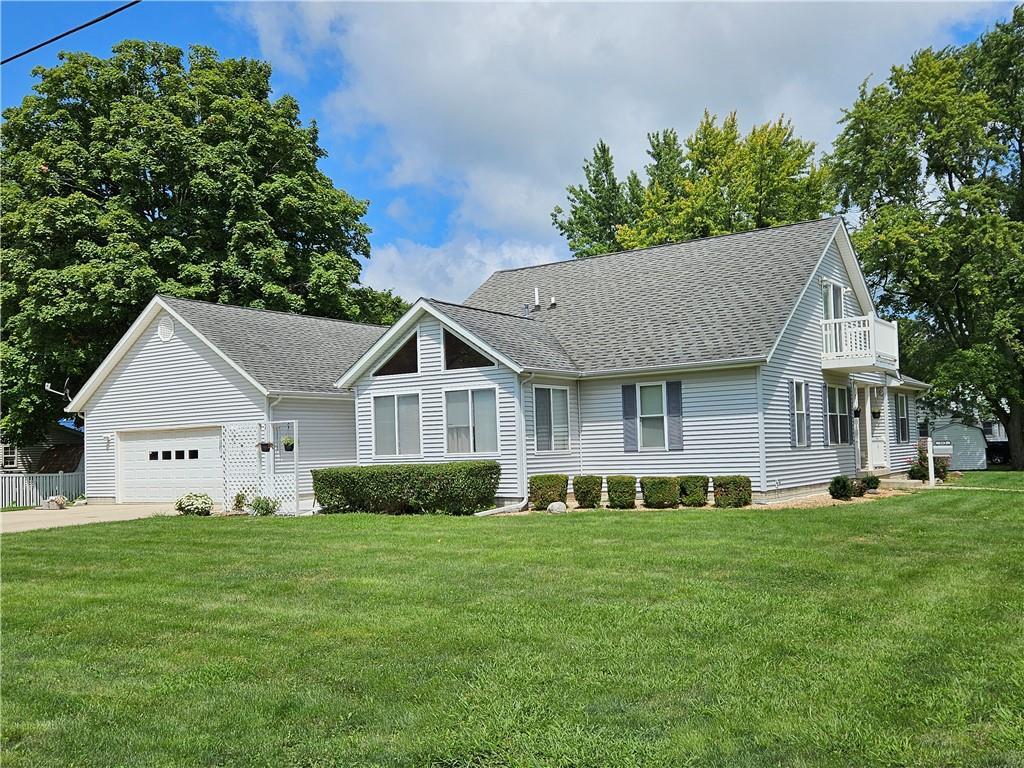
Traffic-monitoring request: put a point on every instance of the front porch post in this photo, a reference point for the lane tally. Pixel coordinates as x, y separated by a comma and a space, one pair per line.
856, 432
866, 413
888, 426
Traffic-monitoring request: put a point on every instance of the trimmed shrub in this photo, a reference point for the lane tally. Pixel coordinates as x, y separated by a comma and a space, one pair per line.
841, 488
587, 490
194, 504
261, 506
621, 491
732, 491
693, 490
547, 489
919, 469
859, 489
917, 472
941, 467
454, 488
660, 492
871, 482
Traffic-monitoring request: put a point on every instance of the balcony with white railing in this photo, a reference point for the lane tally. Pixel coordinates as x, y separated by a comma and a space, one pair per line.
865, 343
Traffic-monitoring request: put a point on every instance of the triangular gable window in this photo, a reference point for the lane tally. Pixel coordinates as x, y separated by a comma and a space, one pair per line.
458, 354
405, 360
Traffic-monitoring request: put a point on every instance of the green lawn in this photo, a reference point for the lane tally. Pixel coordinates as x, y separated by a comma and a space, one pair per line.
883, 634
1006, 479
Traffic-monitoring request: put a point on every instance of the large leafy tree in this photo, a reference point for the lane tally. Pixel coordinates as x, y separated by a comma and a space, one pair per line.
141, 173
930, 160
717, 181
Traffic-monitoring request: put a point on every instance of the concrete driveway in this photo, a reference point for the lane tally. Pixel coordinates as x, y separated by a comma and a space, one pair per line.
33, 519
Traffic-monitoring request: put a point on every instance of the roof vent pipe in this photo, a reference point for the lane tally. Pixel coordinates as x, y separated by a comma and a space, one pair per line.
536, 298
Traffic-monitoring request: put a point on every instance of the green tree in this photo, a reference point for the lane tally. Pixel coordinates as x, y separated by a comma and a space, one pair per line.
597, 208
931, 162
137, 174
715, 182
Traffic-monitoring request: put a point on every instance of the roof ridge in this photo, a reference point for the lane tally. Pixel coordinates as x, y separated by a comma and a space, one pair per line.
271, 311
479, 309
674, 243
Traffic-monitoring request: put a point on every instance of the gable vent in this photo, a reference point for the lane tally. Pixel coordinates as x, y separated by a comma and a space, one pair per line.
165, 329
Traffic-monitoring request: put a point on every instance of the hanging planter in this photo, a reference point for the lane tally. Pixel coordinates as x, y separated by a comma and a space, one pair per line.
288, 442
856, 413
876, 414
265, 447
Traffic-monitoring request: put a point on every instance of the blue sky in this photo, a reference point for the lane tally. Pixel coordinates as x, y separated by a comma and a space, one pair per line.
462, 124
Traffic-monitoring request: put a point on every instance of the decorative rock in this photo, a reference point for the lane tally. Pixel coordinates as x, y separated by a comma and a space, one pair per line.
556, 507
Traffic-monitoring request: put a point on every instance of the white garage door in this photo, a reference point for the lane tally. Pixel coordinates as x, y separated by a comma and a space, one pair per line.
163, 465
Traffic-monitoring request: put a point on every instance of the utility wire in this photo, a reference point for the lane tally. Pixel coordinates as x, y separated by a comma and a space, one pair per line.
98, 19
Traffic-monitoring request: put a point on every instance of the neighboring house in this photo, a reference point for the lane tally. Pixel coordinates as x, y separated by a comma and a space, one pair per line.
59, 451
757, 354
971, 438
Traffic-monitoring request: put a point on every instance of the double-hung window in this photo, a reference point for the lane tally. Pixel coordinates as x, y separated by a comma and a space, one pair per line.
471, 421
902, 419
551, 418
800, 412
838, 415
396, 425
10, 456
651, 415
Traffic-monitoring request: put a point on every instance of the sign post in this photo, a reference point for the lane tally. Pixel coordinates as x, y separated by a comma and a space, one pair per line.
931, 463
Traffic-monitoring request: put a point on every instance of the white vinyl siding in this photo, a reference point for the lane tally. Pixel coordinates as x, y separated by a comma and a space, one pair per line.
798, 356
902, 454
326, 434
430, 383
161, 385
719, 427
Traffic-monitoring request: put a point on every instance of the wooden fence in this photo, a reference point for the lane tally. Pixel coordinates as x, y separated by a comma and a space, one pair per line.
33, 490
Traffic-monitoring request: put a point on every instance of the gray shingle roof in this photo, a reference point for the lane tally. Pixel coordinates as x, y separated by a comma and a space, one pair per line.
708, 300
522, 339
282, 351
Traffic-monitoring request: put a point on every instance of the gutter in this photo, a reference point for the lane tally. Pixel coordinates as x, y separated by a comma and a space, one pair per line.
702, 365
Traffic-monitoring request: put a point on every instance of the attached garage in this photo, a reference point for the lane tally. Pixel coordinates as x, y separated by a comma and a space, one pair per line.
188, 397
161, 465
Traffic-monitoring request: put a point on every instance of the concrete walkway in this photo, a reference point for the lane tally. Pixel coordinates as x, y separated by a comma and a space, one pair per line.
34, 519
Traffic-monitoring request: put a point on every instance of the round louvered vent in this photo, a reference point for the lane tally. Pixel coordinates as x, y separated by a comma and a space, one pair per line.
166, 328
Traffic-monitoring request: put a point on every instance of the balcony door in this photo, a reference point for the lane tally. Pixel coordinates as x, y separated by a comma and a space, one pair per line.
832, 309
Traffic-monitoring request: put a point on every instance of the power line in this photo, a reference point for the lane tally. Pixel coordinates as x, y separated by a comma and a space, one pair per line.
98, 19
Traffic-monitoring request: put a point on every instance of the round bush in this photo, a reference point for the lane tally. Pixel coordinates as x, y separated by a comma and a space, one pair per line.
660, 492
261, 506
621, 491
194, 504
547, 489
841, 488
587, 490
871, 482
859, 488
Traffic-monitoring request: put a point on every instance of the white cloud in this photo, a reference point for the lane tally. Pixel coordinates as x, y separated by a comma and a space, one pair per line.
502, 102
450, 271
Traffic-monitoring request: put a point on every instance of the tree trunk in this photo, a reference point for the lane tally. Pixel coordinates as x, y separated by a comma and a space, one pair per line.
1015, 435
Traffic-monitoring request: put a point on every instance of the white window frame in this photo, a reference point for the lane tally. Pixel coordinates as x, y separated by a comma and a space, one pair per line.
373, 424
394, 348
444, 354
568, 421
472, 419
640, 417
902, 417
13, 463
800, 417
840, 415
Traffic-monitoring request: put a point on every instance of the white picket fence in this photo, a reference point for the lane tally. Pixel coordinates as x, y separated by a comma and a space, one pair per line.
33, 490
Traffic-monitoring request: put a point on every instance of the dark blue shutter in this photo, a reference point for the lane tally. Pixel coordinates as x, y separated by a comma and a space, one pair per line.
849, 411
824, 410
674, 400
629, 438
792, 414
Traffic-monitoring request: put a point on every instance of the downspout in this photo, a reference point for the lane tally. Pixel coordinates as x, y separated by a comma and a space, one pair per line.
520, 458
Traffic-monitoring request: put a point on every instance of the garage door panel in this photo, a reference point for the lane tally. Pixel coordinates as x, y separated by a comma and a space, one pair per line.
161, 465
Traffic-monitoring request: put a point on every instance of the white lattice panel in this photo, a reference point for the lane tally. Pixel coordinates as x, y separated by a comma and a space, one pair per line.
241, 455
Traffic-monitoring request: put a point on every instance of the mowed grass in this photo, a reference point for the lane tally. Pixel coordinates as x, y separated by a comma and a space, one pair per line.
883, 634
1005, 479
